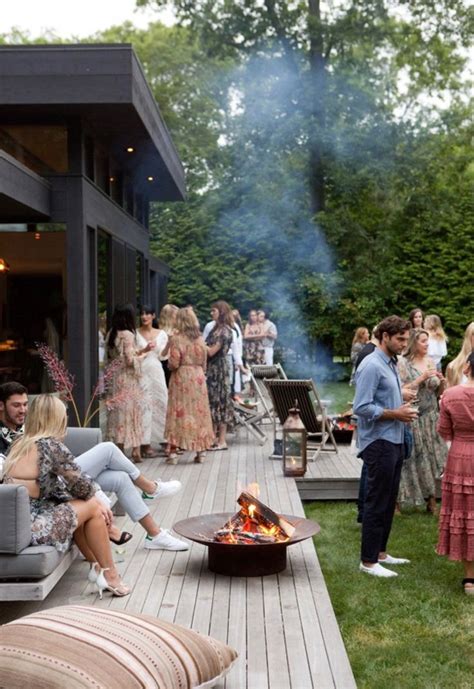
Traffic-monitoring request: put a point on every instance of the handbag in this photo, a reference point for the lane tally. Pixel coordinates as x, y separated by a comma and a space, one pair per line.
408, 441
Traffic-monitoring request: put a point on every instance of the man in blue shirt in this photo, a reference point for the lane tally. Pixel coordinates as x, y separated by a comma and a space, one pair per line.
381, 413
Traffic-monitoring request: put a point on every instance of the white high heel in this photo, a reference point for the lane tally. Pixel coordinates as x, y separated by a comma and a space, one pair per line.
103, 585
93, 573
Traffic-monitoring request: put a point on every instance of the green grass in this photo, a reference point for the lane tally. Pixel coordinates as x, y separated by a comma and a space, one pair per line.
413, 632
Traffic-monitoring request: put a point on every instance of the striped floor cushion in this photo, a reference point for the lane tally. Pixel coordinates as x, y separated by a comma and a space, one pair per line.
85, 647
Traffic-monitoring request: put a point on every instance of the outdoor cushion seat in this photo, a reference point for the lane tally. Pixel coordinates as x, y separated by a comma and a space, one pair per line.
34, 562
80, 647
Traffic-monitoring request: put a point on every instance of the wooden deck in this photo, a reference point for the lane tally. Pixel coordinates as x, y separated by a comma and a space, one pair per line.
283, 626
332, 476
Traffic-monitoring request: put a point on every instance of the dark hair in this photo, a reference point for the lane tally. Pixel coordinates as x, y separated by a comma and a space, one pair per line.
123, 318
470, 361
412, 315
393, 325
148, 309
225, 316
7, 390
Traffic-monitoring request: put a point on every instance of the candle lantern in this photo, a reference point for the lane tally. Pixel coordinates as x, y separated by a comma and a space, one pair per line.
294, 444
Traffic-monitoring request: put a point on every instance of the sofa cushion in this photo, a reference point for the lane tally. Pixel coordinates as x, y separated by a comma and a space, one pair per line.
15, 519
80, 647
34, 562
79, 440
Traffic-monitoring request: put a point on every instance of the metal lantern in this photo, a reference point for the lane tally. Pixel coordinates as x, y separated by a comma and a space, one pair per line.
294, 444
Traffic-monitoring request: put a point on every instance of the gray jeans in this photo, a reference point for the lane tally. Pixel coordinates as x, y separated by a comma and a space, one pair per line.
114, 473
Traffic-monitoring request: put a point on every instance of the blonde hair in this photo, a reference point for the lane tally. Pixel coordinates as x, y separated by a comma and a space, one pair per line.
187, 323
46, 418
167, 317
435, 328
415, 334
358, 335
454, 369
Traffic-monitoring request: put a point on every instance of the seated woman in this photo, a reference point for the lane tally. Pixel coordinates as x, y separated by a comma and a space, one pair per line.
62, 499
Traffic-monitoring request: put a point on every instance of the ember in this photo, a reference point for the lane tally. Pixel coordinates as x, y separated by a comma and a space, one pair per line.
254, 523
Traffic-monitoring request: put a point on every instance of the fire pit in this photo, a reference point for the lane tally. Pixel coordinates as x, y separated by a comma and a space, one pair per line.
250, 543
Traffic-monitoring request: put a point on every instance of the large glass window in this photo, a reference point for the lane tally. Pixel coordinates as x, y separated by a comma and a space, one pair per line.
42, 148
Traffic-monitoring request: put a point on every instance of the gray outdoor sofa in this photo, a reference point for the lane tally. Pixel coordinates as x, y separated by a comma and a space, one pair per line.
29, 573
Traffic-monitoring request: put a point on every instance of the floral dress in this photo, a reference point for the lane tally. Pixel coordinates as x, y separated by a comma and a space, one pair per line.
155, 392
254, 352
426, 462
188, 418
220, 402
53, 520
124, 398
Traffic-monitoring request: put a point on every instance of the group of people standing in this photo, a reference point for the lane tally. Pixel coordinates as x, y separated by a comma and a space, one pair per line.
405, 414
174, 386
260, 335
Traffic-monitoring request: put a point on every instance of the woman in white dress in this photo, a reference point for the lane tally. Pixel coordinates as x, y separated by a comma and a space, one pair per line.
153, 381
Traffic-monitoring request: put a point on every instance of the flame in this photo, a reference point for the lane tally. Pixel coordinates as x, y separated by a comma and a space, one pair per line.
251, 511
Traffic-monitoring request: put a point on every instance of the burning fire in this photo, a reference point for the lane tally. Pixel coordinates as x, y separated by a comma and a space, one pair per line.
254, 523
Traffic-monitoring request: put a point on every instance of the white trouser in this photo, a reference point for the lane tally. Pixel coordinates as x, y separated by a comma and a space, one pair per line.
114, 473
268, 356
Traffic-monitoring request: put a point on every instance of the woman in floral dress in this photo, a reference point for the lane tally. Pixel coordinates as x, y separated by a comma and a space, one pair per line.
188, 418
426, 462
62, 502
456, 523
124, 403
153, 383
218, 343
254, 351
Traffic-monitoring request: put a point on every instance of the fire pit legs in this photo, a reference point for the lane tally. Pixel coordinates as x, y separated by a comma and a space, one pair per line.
247, 561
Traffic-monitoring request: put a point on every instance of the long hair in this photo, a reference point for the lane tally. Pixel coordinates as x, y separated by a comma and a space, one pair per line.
123, 318
225, 316
454, 369
359, 333
46, 418
167, 317
237, 318
187, 323
412, 315
415, 334
435, 328
149, 310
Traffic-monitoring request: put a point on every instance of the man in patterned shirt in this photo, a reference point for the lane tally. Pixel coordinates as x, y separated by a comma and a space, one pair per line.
13, 410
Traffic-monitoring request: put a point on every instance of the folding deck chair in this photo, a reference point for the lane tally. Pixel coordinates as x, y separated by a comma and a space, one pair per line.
250, 418
259, 374
312, 411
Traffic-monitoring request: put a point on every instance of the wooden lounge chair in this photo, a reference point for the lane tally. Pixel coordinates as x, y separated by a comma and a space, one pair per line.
312, 411
259, 374
250, 418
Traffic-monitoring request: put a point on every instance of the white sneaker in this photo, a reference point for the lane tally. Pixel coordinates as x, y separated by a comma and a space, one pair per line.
165, 541
389, 560
377, 571
163, 489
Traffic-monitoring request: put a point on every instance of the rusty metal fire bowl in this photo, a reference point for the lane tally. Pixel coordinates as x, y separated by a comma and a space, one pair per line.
235, 559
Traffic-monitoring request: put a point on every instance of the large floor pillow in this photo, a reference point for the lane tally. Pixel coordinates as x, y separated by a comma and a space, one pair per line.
85, 647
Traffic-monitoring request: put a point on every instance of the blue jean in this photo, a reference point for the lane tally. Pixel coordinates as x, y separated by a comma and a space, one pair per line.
384, 465
114, 473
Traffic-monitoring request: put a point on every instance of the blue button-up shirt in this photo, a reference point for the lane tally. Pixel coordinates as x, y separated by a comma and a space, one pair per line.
378, 387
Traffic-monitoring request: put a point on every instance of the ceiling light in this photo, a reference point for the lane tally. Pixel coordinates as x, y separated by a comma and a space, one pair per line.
4, 266
130, 149
150, 179
37, 235
111, 179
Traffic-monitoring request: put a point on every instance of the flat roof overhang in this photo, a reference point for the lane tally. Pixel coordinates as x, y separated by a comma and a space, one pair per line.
24, 195
105, 86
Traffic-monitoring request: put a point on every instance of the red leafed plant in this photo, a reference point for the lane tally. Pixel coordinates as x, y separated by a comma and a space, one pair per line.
63, 382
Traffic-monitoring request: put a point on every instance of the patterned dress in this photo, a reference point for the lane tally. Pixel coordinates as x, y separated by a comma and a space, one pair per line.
426, 462
53, 520
188, 418
456, 522
155, 392
124, 399
220, 402
254, 351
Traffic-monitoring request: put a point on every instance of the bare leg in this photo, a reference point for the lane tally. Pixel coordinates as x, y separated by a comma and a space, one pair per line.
468, 574
81, 543
95, 537
150, 526
222, 433
145, 484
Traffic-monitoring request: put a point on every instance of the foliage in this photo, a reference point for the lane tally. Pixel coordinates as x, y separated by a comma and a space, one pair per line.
409, 633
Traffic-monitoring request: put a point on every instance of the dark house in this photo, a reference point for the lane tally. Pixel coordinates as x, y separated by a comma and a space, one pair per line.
83, 152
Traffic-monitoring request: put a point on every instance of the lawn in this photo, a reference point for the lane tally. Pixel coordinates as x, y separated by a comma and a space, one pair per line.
413, 632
